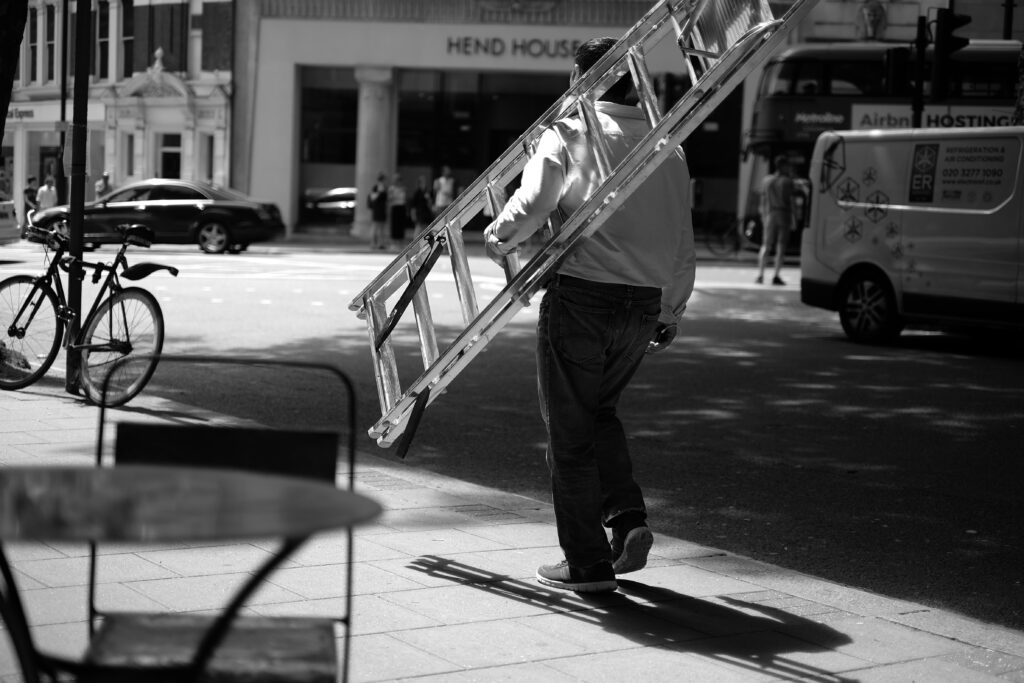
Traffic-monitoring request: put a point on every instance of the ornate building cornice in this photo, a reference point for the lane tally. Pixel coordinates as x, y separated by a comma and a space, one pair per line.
548, 12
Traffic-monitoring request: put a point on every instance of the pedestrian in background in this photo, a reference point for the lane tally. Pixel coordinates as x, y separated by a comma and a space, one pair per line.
398, 211
777, 217
46, 197
29, 196
378, 201
421, 204
617, 295
103, 186
444, 190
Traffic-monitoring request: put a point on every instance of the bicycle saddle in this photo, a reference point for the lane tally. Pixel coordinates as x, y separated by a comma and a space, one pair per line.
136, 234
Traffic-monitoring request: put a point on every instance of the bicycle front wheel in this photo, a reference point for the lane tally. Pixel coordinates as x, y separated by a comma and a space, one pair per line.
128, 324
724, 239
30, 331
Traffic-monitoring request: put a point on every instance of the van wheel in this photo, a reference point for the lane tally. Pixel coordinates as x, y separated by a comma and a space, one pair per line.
867, 310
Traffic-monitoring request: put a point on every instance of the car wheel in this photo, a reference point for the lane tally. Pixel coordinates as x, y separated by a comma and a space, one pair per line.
213, 238
867, 309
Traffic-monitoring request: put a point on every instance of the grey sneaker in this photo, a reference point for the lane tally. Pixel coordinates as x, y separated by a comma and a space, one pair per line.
597, 579
632, 554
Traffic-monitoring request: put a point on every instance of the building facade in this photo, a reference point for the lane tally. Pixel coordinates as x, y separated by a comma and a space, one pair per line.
159, 92
281, 98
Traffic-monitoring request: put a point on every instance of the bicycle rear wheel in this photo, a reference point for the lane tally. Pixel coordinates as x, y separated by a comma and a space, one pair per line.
128, 324
724, 238
30, 331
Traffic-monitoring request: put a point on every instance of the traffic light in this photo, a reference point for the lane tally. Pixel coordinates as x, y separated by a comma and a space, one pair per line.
946, 43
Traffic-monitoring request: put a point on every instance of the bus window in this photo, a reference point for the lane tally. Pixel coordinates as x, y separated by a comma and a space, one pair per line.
973, 79
808, 78
778, 79
856, 78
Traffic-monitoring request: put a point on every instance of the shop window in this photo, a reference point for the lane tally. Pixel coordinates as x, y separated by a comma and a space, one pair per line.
127, 38
128, 155
206, 157
169, 156
330, 105
418, 112
101, 20
33, 45
51, 42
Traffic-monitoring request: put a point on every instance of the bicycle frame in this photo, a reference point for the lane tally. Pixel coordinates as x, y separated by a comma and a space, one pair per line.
111, 285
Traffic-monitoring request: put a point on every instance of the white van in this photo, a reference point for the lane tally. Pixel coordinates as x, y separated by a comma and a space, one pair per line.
920, 227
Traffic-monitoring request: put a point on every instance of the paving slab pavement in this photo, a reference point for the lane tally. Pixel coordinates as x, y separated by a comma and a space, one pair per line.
444, 589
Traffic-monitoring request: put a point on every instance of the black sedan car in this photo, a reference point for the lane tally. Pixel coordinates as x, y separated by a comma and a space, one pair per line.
178, 212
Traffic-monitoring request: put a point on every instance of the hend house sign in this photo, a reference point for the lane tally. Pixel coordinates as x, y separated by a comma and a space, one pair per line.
536, 48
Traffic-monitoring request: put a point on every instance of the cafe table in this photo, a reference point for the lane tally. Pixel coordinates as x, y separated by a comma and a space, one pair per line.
160, 504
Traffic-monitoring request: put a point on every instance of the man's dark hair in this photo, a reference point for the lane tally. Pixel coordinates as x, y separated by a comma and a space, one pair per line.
588, 54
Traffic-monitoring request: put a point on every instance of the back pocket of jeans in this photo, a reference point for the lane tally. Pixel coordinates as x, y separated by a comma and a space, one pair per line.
582, 331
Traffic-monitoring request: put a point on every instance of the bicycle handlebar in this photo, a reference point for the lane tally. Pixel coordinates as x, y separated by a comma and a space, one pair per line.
55, 238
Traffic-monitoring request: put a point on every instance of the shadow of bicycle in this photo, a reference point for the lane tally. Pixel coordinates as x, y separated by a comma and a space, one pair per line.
735, 632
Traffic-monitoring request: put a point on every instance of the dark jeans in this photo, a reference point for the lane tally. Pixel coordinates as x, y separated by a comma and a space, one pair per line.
591, 338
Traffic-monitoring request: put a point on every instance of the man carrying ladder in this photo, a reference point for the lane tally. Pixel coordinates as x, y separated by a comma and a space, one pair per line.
619, 294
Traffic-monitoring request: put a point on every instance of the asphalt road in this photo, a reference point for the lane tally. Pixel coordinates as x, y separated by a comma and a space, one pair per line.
761, 431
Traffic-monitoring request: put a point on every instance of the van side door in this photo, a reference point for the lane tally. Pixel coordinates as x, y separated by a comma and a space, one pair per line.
961, 233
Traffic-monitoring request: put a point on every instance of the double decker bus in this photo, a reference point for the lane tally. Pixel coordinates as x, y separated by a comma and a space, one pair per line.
814, 87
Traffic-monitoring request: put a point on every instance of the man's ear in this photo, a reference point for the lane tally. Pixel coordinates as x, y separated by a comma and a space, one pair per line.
575, 75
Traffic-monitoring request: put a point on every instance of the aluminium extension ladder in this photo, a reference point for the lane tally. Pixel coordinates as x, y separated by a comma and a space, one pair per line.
721, 42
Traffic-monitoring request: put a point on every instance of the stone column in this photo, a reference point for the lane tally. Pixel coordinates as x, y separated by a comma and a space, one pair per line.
115, 58
374, 135
20, 170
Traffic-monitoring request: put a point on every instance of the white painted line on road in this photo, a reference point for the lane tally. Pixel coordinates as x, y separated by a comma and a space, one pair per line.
266, 302
216, 301
316, 303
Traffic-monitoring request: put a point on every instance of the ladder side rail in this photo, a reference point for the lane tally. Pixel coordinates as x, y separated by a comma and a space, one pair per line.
681, 121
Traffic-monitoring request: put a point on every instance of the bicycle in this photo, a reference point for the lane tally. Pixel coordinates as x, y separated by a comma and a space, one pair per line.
35, 320
723, 236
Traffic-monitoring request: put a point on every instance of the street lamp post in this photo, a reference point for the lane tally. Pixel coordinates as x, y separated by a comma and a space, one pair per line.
76, 205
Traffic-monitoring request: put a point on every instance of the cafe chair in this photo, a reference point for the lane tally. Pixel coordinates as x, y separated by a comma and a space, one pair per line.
254, 649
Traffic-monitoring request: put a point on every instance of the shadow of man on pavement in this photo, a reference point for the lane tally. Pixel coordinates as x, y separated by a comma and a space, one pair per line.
728, 629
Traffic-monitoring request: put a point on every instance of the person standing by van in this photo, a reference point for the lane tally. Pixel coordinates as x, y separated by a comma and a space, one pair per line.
776, 216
